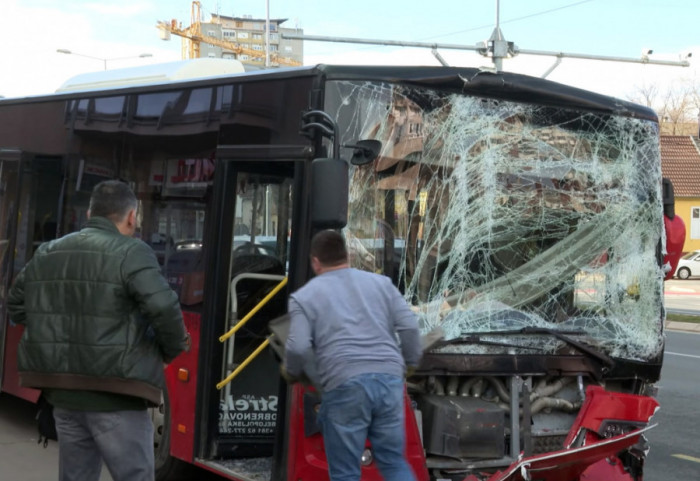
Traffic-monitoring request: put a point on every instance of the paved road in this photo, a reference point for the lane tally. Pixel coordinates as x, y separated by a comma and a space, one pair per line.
675, 450
22, 459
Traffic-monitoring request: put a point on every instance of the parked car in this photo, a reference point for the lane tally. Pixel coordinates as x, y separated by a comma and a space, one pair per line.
688, 265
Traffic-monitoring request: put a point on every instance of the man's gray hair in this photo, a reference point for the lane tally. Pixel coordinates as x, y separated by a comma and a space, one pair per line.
112, 199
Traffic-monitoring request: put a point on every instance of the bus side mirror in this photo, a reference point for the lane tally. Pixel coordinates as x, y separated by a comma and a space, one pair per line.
329, 193
364, 151
669, 199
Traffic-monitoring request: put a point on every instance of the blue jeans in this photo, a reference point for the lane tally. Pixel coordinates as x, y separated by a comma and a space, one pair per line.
122, 439
366, 406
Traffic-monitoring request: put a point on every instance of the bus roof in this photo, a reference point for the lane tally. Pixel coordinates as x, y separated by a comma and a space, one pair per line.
199, 68
481, 83
497, 85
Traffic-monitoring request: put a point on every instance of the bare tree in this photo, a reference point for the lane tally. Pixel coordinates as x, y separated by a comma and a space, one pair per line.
645, 94
676, 105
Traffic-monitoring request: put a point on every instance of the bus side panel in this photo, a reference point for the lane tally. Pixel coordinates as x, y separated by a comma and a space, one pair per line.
10, 383
414, 446
181, 378
307, 457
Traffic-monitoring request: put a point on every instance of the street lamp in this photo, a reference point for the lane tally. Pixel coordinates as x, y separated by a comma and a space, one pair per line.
104, 60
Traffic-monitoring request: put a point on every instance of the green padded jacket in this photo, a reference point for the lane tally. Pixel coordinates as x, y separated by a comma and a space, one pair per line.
98, 315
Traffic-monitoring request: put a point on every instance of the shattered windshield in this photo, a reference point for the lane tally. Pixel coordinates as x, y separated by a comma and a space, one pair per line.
492, 215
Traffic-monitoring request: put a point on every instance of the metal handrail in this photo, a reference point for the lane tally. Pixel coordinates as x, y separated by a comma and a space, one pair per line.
240, 324
248, 360
259, 306
248, 275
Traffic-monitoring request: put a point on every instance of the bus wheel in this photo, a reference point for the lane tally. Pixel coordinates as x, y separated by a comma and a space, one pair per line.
166, 465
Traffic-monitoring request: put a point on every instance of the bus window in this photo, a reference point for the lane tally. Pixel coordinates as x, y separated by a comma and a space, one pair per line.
173, 224
8, 208
172, 193
262, 221
176, 236
470, 223
260, 243
259, 262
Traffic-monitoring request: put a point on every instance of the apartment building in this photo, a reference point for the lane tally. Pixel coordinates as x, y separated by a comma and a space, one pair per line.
246, 35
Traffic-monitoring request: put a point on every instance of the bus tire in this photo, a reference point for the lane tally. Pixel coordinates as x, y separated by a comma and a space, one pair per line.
166, 466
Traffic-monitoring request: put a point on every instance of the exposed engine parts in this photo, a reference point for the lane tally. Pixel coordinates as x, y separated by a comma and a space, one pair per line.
470, 417
493, 389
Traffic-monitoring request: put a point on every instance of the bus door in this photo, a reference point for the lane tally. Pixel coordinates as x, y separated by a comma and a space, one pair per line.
253, 223
9, 188
30, 200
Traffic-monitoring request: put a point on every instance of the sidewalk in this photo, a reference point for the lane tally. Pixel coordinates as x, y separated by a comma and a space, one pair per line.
683, 326
676, 288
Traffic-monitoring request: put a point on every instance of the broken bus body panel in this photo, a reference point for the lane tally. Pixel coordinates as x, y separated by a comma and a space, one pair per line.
524, 219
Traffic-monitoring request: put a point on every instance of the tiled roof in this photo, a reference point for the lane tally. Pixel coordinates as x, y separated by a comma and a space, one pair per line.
680, 162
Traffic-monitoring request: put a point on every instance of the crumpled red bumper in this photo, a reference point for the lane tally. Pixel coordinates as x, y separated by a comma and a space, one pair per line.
593, 442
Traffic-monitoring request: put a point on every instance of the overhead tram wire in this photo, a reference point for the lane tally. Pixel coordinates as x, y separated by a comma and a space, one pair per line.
516, 19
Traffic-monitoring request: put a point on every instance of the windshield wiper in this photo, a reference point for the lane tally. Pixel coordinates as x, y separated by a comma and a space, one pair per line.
562, 335
476, 339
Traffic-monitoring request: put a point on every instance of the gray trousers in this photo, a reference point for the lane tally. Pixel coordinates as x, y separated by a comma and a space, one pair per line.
123, 440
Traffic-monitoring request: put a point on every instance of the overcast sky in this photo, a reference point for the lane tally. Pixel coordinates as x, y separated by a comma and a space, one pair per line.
34, 29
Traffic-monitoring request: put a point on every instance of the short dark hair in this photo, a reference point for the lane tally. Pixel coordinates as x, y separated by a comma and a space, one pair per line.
328, 246
112, 199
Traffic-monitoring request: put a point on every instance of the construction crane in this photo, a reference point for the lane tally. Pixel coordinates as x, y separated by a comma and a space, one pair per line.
193, 36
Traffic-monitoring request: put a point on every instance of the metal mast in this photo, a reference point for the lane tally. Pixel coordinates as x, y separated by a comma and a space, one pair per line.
497, 48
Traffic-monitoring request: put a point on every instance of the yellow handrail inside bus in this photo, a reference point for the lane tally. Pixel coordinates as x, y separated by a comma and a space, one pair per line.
247, 317
248, 360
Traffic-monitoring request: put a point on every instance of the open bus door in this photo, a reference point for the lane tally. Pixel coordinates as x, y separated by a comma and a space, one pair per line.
30, 201
250, 422
248, 240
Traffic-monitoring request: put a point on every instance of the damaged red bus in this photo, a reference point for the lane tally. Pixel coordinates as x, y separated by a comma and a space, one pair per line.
522, 219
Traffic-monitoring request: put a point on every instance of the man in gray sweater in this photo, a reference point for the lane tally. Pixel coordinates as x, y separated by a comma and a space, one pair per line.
348, 320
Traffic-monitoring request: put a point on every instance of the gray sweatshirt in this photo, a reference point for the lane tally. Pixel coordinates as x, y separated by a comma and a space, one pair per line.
348, 319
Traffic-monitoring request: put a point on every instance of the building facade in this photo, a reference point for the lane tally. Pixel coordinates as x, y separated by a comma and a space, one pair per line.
243, 38
680, 162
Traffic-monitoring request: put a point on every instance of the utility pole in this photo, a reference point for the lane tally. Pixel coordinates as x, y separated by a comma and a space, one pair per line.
267, 33
498, 47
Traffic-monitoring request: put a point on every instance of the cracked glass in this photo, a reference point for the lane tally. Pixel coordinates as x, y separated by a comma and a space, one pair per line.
493, 215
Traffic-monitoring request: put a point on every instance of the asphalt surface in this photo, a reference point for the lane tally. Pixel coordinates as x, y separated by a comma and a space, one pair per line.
675, 451
21, 457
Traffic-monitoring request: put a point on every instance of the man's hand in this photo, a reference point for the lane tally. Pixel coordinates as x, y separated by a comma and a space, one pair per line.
288, 377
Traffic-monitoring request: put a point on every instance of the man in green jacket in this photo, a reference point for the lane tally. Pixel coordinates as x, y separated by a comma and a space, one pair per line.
100, 321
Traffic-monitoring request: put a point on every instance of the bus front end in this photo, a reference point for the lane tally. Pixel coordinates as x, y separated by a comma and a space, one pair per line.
523, 221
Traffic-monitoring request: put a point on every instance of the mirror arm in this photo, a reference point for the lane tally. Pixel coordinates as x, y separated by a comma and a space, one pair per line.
327, 126
327, 132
